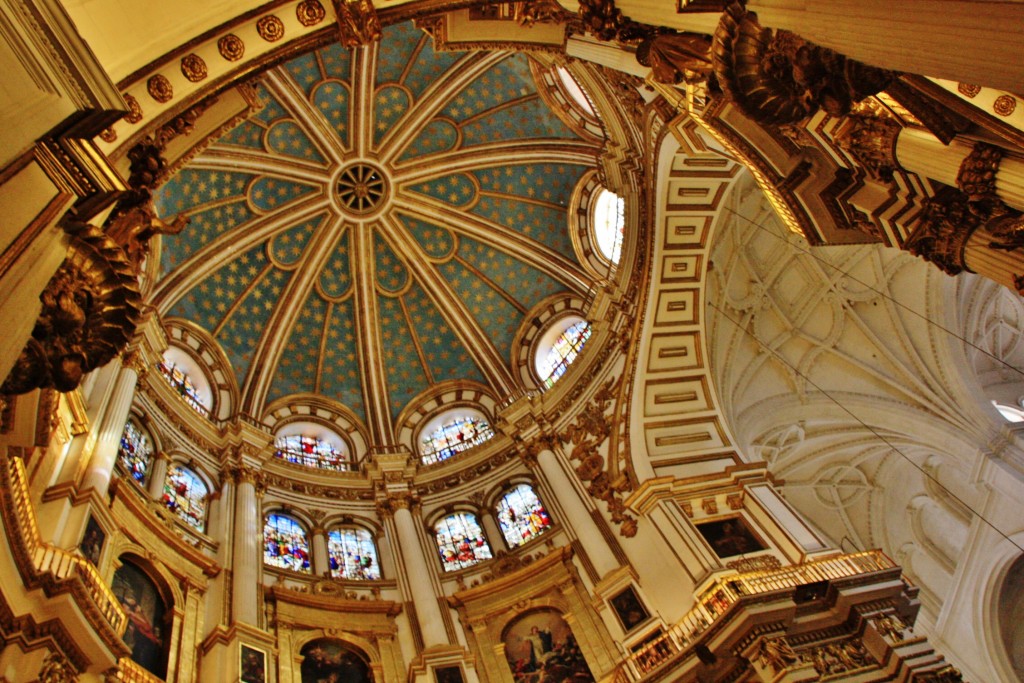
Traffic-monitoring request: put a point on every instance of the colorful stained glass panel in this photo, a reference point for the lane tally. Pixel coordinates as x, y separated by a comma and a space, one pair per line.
522, 516
352, 554
460, 541
285, 544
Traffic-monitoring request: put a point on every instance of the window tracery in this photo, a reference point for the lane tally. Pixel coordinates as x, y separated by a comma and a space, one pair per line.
455, 435
285, 544
522, 516
352, 554
185, 495
460, 541
135, 452
182, 382
310, 451
563, 351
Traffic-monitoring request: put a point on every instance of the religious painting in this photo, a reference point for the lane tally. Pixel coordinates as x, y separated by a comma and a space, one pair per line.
629, 609
252, 664
146, 632
448, 674
326, 660
730, 537
92, 542
540, 646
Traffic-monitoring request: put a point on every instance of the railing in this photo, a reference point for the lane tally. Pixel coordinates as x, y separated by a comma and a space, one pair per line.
130, 672
716, 600
47, 559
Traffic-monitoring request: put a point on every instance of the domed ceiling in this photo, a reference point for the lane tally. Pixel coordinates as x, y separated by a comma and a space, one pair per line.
382, 224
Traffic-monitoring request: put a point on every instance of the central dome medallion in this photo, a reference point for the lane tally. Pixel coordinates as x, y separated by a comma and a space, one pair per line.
362, 188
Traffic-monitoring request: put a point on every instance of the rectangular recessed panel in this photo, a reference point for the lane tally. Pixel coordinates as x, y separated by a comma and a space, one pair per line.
695, 194
677, 437
676, 307
681, 268
675, 396
677, 351
686, 232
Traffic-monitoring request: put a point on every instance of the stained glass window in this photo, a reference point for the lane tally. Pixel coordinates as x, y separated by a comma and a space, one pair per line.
311, 452
285, 544
185, 493
352, 554
135, 452
563, 352
460, 541
454, 436
609, 221
522, 516
183, 385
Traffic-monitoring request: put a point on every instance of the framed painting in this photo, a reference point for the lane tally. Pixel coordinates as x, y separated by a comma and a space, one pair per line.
252, 664
628, 608
730, 537
448, 674
92, 542
540, 646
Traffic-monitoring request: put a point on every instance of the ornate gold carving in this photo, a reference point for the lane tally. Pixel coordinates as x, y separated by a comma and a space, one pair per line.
90, 309
530, 12
687, 508
977, 175
870, 138
947, 674
57, 669
270, 28
837, 657
709, 506
607, 22
777, 654
231, 47
134, 114
1004, 105
358, 23
193, 67
159, 88
775, 76
676, 57
891, 626
310, 12
108, 135
942, 231
734, 501
968, 89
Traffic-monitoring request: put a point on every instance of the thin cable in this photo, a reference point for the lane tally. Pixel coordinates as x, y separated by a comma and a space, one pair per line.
866, 426
810, 252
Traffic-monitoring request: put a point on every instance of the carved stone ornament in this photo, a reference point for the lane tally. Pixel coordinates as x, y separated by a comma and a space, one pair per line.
358, 23
310, 12
57, 669
108, 135
870, 138
942, 231
91, 307
676, 57
776, 76
159, 88
606, 22
977, 174
193, 67
231, 47
529, 12
834, 658
270, 28
1004, 105
968, 89
134, 114
760, 563
891, 627
777, 654
947, 674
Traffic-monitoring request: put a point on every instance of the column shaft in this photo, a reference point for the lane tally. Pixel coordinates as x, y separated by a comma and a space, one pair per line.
248, 561
418, 571
321, 562
101, 464
157, 475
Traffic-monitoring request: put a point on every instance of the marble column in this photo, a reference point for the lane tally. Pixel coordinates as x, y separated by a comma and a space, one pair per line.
247, 562
104, 455
495, 538
218, 528
321, 561
417, 571
577, 512
157, 475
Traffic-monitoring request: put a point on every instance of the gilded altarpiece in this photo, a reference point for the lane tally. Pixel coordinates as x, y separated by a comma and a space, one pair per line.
550, 584
364, 625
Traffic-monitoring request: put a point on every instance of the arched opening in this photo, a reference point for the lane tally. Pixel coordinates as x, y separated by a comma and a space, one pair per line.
558, 347
1011, 615
326, 659
352, 554
135, 453
460, 541
185, 495
149, 617
185, 376
311, 444
452, 432
522, 516
285, 544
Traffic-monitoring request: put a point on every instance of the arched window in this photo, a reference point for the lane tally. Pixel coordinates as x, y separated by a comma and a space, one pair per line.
184, 375
136, 452
455, 434
554, 357
313, 451
285, 544
460, 541
185, 494
1009, 413
574, 90
352, 554
608, 221
522, 516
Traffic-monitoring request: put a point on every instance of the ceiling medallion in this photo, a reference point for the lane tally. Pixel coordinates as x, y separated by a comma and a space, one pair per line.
270, 28
193, 67
362, 188
231, 47
160, 88
310, 12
